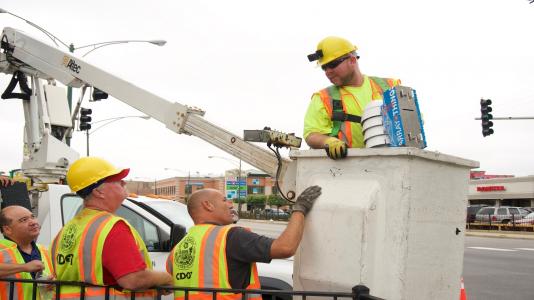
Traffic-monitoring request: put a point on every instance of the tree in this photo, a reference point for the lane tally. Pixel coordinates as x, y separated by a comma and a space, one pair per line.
239, 202
256, 201
276, 200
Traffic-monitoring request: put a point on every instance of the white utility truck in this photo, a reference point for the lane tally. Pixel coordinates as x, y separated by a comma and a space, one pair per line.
389, 218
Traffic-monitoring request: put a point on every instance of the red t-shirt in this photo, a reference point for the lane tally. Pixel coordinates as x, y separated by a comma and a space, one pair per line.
120, 255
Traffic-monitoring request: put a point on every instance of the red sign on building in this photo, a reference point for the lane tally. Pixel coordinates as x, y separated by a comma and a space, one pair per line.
490, 188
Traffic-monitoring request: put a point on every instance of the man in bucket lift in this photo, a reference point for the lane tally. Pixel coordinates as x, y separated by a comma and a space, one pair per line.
333, 118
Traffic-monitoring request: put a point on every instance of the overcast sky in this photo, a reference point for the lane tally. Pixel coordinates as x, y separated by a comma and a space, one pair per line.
244, 62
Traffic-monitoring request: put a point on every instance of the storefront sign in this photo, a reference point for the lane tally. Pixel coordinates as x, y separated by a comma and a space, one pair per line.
490, 188
232, 187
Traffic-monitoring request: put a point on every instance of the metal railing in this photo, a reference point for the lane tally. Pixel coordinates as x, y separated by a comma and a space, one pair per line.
263, 215
512, 222
359, 292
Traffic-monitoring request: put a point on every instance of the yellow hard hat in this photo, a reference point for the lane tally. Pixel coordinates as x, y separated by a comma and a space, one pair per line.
90, 170
330, 48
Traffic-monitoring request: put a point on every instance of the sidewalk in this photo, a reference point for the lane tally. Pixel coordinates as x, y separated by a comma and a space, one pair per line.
500, 234
263, 221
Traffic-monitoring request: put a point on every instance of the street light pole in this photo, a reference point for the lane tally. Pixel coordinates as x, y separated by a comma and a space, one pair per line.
238, 180
87, 142
109, 121
69, 99
239, 189
189, 188
71, 49
109, 43
54, 38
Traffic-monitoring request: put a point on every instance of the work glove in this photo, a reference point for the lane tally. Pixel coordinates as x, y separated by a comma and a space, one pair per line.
306, 199
335, 148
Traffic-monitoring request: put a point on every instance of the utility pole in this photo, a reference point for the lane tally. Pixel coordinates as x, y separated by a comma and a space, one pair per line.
239, 189
188, 187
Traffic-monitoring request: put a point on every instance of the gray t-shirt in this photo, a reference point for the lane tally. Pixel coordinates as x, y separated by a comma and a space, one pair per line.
242, 248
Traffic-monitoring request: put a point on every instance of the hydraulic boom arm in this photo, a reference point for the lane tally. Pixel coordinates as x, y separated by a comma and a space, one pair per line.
36, 58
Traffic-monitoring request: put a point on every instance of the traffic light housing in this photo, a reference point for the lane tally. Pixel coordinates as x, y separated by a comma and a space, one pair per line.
85, 118
486, 117
98, 95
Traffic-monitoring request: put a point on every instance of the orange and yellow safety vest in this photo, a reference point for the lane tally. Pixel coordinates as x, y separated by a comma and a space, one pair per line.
199, 260
10, 254
334, 99
77, 252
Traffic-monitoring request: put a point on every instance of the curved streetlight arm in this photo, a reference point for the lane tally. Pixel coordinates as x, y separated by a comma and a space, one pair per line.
111, 120
182, 171
48, 34
104, 44
177, 170
225, 158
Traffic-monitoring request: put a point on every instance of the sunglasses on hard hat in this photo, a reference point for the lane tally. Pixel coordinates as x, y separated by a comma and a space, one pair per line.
336, 62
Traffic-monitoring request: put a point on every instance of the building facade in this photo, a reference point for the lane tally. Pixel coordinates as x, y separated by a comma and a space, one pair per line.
502, 191
250, 182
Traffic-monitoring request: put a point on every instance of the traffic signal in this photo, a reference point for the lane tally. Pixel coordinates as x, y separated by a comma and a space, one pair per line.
85, 118
486, 117
98, 95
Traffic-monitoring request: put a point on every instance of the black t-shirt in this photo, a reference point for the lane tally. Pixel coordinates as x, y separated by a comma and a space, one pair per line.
242, 248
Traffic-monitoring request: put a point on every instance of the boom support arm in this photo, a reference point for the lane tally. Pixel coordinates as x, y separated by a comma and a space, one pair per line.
36, 58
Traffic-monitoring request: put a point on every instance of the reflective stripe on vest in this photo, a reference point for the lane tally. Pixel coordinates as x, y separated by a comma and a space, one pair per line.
77, 252
334, 98
199, 260
10, 254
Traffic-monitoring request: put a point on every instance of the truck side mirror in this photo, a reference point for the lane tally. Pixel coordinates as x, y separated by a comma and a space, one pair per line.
177, 234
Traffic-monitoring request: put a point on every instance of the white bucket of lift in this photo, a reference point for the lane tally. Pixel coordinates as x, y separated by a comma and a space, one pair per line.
390, 218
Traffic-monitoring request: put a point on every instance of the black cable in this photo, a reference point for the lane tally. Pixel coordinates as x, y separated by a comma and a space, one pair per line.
278, 171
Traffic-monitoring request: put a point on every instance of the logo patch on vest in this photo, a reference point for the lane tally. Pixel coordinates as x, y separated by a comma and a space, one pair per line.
184, 256
69, 238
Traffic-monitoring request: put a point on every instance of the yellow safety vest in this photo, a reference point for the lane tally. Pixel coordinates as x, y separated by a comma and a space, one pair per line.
10, 254
199, 260
345, 122
77, 252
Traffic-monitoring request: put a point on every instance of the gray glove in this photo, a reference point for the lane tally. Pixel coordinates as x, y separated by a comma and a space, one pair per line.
306, 199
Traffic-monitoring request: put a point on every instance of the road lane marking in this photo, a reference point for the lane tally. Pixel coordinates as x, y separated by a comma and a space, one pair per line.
525, 249
493, 249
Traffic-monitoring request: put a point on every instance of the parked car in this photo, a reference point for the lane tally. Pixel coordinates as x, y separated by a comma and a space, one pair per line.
527, 220
472, 212
502, 214
274, 213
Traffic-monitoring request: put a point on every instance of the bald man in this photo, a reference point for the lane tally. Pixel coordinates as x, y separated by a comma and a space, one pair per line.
19, 254
217, 254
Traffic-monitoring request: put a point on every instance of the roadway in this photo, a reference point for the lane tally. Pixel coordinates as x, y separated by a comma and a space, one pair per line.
499, 268
494, 268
